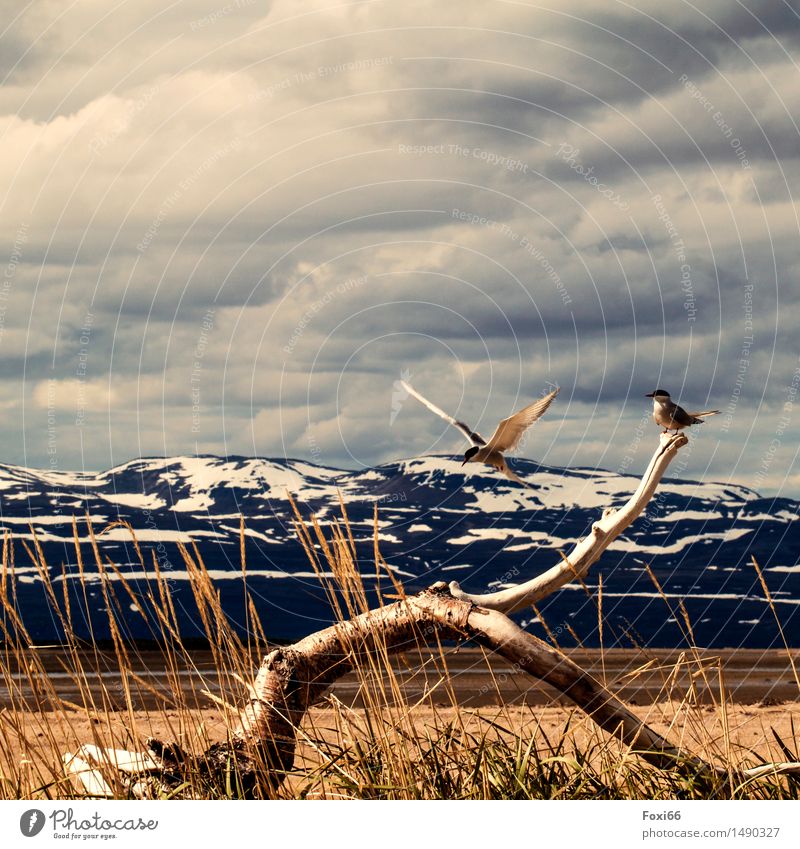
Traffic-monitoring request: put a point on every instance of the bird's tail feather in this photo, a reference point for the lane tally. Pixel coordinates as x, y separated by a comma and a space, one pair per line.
704, 414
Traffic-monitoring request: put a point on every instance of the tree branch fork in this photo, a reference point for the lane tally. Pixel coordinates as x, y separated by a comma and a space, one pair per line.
291, 679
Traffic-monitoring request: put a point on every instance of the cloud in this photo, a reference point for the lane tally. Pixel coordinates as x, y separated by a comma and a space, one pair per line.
230, 227
66, 393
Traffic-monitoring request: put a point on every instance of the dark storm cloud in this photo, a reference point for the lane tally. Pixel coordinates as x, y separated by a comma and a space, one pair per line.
287, 213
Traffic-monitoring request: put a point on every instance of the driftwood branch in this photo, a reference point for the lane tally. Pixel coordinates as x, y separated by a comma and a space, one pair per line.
293, 678
588, 551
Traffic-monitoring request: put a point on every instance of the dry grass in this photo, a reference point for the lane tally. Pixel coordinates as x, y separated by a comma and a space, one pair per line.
391, 747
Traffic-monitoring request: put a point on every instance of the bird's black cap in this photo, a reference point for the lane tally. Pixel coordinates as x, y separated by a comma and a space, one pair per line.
471, 452
657, 392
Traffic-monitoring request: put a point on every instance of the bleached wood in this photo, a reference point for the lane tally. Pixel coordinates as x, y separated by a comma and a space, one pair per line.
91, 764
292, 678
590, 548
764, 770
89, 778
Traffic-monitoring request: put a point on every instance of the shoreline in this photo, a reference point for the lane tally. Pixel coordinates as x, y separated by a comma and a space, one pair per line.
637, 676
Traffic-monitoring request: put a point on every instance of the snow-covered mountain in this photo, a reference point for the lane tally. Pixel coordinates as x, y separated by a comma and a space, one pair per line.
435, 522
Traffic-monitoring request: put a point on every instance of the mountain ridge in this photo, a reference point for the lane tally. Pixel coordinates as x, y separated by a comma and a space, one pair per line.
437, 521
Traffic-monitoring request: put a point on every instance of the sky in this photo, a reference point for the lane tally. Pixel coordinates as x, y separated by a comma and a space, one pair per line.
232, 228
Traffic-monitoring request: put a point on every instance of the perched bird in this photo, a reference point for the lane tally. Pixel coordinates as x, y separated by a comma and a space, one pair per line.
505, 438
672, 417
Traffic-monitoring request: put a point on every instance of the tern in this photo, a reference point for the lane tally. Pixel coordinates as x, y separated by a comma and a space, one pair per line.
505, 438
672, 417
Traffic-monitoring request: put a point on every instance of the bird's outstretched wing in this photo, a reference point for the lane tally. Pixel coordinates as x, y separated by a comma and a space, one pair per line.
510, 430
474, 438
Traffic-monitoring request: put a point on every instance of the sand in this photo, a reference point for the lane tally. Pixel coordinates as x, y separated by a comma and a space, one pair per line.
680, 695
701, 729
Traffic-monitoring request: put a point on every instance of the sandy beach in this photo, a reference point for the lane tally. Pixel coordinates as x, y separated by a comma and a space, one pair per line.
750, 729
726, 707
759, 689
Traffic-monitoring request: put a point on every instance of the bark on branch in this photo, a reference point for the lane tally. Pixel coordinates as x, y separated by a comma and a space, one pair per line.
588, 551
293, 678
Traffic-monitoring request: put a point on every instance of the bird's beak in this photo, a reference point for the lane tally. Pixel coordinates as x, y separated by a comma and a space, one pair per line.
464, 463
650, 395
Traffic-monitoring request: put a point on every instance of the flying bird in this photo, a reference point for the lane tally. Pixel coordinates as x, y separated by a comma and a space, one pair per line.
672, 417
505, 438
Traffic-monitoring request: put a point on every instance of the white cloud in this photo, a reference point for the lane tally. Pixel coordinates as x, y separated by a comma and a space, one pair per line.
163, 162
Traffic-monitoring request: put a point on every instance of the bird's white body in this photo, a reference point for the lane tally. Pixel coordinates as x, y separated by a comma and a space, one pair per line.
666, 414
496, 460
670, 416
